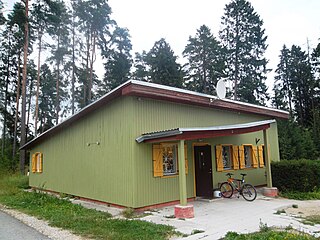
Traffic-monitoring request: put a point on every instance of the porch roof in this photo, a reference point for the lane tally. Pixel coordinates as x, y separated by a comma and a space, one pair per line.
204, 132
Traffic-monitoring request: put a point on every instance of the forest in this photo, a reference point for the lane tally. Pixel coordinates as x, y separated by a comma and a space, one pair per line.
48, 69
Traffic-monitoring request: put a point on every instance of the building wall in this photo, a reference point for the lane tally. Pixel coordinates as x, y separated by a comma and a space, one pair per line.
119, 170
153, 115
102, 172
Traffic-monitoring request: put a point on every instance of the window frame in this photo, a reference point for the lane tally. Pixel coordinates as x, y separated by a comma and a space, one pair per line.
175, 159
157, 158
37, 162
230, 157
234, 157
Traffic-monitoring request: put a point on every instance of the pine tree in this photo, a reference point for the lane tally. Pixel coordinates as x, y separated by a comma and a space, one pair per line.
47, 99
94, 23
11, 48
59, 19
118, 60
40, 17
140, 67
162, 65
244, 41
282, 85
205, 61
2, 18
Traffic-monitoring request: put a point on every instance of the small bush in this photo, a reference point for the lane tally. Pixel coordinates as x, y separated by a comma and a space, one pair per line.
128, 213
296, 175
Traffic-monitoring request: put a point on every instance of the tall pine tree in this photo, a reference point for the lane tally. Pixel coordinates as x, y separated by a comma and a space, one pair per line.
118, 60
161, 65
205, 61
243, 38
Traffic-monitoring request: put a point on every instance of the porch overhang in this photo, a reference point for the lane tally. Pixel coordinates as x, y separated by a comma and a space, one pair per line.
204, 132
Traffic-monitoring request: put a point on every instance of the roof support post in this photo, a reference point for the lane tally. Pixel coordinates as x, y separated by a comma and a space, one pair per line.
182, 174
267, 157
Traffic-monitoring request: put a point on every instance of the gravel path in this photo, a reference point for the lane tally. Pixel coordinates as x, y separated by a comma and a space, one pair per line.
41, 226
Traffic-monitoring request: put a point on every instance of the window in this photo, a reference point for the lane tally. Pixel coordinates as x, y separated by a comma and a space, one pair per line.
248, 156
37, 162
165, 159
169, 159
227, 157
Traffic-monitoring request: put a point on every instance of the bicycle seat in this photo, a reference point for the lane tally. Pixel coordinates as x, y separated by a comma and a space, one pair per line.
243, 174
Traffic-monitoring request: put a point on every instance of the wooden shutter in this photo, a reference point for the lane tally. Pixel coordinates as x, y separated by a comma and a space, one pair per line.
235, 157
186, 157
254, 156
219, 158
261, 157
157, 160
41, 162
33, 163
241, 157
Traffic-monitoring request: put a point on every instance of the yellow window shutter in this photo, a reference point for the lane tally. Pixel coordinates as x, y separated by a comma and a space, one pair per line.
186, 157
33, 163
261, 157
41, 162
219, 158
157, 160
254, 157
241, 157
235, 157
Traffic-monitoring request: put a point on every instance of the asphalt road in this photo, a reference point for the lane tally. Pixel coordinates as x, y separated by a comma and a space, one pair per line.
13, 229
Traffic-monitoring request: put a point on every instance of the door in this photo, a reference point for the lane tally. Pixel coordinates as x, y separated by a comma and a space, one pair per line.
203, 171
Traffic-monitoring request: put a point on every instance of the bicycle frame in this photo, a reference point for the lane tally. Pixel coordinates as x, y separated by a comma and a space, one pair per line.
237, 184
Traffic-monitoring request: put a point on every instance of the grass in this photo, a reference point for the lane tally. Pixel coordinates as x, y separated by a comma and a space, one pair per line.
315, 195
63, 214
269, 234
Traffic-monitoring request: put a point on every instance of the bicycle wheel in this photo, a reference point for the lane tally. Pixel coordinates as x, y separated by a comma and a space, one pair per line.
226, 190
249, 193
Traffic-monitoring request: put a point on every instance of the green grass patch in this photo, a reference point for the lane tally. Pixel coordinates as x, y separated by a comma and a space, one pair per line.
270, 234
63, 214
315, 195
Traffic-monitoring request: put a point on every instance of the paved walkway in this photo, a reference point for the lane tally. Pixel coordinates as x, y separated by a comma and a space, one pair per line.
219, 216
13, 229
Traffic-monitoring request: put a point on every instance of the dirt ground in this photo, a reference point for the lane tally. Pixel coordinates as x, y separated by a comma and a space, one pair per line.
304, 209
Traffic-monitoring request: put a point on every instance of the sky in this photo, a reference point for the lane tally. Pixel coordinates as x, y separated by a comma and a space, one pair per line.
285, 21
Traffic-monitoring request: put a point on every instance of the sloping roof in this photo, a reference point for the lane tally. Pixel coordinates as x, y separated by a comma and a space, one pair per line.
204, 132
161, 92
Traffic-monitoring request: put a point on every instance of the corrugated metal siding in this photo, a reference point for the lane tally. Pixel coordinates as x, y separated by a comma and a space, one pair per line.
103, 172
153, 115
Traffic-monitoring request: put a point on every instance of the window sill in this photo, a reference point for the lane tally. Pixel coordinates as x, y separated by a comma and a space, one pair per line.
171, 176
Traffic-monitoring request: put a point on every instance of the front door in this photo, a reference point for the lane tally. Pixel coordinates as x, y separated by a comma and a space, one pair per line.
203, 170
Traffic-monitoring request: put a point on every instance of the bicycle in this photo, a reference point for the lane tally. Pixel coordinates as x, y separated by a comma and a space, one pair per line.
246, 190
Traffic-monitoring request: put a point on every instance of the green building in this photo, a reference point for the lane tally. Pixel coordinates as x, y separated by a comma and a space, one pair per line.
145, 144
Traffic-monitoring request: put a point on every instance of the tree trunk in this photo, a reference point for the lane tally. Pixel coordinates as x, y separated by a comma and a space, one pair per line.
73, 66
24, 80
37, 91
5, 103
93, 43
87, 70
58, 85
14, 145
236, 61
